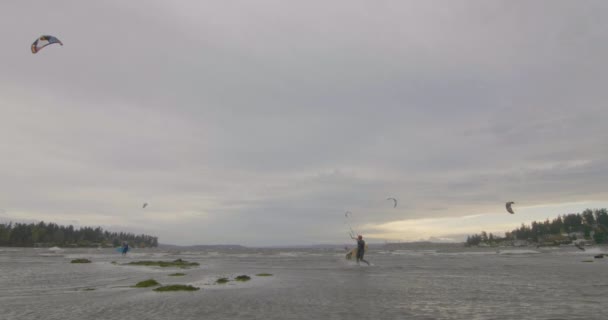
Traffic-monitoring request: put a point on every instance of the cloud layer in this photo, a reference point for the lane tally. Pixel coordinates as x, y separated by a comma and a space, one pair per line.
262, 122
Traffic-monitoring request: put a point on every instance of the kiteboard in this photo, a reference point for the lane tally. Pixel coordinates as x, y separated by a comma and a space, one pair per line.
353, 253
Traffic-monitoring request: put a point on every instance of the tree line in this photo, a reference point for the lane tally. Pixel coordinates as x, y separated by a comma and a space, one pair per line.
591, 224
50, 234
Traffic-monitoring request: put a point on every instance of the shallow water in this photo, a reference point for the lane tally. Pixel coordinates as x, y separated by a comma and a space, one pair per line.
425, 283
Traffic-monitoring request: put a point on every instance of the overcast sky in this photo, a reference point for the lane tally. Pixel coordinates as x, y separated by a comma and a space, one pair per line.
262, 122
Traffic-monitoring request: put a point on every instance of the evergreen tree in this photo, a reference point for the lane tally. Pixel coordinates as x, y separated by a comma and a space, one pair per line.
27, 235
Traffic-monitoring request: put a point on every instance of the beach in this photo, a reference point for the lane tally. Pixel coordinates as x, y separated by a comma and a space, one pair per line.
426, 283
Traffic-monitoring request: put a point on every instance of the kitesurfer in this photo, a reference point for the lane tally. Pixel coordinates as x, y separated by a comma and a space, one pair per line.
360, 249
125, 248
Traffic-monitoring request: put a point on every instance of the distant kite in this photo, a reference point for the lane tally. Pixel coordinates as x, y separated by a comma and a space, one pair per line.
44, 41
144, 206
508, 206
394, 202
347, 214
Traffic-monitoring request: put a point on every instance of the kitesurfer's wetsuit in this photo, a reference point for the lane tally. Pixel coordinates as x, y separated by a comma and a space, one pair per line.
125, 248
361, 251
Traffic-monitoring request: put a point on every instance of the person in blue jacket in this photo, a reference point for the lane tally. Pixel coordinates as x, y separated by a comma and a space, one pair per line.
125, 248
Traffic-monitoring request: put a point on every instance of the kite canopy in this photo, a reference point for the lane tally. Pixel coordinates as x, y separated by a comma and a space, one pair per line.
145, 205
394, 202
508, 206
44, 41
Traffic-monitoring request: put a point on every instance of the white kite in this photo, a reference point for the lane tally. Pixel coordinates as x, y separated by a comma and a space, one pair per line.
42, 42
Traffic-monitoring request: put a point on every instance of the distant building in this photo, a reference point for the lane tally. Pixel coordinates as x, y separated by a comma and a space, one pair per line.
576, 235
520, 243
583, 242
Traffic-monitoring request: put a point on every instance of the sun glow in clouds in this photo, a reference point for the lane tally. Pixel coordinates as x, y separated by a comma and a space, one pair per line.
498, 222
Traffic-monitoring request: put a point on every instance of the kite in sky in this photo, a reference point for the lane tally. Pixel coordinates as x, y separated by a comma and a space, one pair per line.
44, 41
394, 202
508, 206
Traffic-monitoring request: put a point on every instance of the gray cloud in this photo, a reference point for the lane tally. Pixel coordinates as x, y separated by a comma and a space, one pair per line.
262, 122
